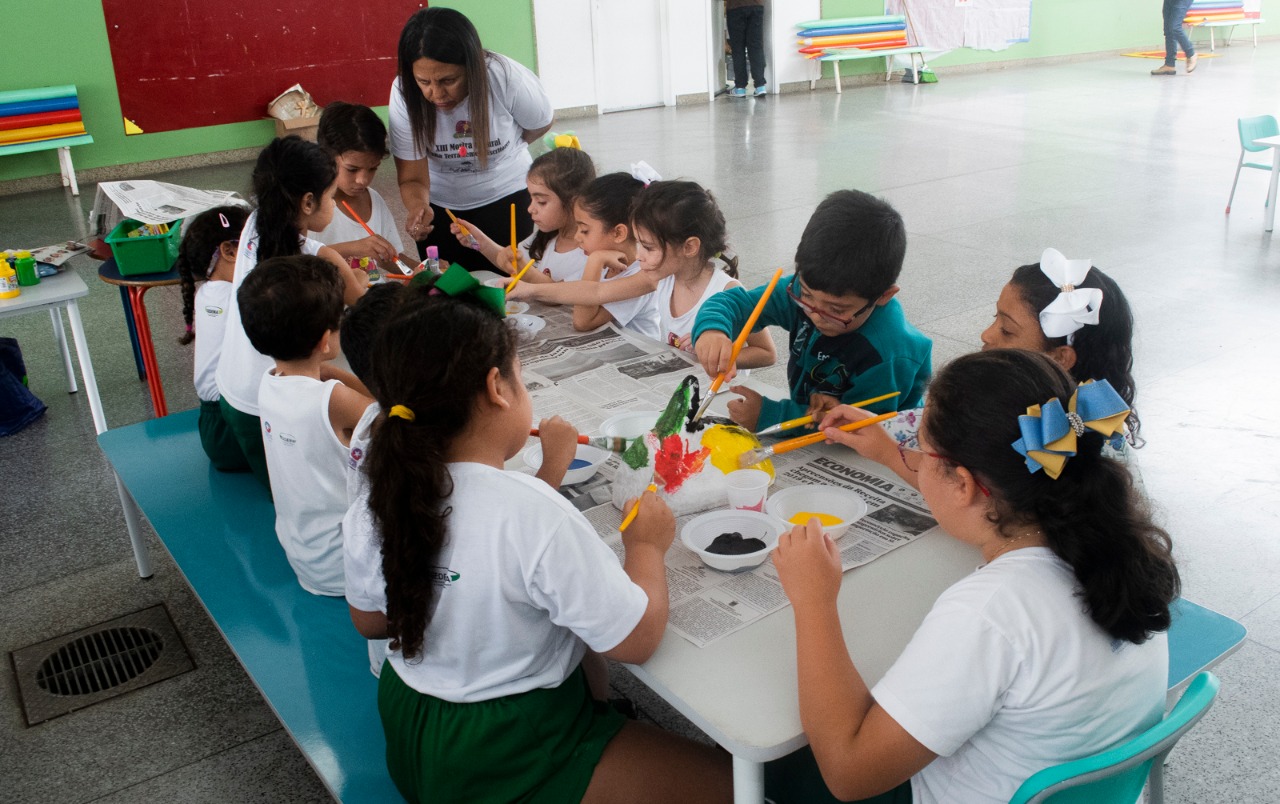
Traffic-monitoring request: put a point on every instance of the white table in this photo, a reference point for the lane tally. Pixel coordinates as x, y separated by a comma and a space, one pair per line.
742, 690
1274, 144
61, 291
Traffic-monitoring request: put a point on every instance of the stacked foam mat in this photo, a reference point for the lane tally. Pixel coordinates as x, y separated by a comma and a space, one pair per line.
1202, 11
49, 116
865, 33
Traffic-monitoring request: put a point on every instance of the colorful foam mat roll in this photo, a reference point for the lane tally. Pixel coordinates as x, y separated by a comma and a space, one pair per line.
831, 53
41, 119
37, 106
845, 22
850, 40
44, 145
35, 133
43, 93
1197, 16
852, 29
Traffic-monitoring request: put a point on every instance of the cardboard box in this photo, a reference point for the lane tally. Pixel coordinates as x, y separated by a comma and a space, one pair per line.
304, 127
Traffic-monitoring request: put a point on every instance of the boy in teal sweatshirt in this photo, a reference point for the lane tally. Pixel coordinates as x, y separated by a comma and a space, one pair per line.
849, 338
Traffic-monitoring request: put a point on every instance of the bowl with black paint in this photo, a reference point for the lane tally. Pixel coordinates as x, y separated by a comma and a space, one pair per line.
732, 540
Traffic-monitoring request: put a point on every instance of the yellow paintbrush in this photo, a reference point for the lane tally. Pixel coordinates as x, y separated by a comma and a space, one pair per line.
737, 346
755, 456
787, 425
635, 509
519, 274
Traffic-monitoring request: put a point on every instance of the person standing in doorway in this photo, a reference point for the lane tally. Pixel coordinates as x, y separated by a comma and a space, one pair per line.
745, 20
1175, 36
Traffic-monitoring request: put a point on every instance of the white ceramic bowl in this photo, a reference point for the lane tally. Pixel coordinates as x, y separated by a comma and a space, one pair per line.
832, 500
594, 457
527, 325
631, 424
702, 530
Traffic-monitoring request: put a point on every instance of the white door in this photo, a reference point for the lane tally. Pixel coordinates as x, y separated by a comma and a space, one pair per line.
630, 52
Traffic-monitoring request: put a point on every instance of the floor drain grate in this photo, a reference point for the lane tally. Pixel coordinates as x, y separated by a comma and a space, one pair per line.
70, 672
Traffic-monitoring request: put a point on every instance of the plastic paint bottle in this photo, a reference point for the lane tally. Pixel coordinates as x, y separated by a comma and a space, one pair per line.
8, 281
25, 267
433, 259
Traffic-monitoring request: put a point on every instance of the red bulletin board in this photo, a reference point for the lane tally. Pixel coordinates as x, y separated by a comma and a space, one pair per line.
206, 62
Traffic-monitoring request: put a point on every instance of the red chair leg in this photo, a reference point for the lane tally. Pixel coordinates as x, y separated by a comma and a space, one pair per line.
143, 325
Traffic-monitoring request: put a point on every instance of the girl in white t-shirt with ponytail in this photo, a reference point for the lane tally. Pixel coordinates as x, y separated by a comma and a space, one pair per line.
492, 587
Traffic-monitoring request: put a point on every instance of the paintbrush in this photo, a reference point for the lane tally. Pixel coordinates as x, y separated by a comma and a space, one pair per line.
519, 274
737, 347
635, 509
611, 443
755, 456
471, 240
404, 269
787, 425
515, 255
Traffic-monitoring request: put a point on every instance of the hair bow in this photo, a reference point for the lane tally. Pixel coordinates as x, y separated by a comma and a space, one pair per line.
1074, 307
643, 172
1049, 432
458, 281
565, 140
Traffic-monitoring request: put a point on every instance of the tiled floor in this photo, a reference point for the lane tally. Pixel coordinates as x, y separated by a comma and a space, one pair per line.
1094, 158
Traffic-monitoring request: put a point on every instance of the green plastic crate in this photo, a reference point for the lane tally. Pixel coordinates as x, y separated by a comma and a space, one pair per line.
145, 254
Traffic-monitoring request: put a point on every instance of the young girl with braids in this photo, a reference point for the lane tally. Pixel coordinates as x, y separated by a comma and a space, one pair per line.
206, 264
293, 184
555, 181
491, 587
1054, 649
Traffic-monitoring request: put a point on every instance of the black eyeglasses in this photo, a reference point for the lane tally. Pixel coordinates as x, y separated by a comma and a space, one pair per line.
911, 458
813, 310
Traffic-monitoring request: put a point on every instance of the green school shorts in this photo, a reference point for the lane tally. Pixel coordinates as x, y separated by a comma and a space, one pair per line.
537, 746
795, 779
247, 430
218, 441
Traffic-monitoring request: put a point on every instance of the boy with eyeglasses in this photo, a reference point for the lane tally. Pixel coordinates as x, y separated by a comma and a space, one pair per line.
849, 338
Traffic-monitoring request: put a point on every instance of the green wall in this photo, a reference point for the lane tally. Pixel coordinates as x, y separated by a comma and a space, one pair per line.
84, 59
1058, 28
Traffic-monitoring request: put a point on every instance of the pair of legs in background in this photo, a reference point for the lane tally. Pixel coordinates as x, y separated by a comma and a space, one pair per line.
746, 43
1175, 36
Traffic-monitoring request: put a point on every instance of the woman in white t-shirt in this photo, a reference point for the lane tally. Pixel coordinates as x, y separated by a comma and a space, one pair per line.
206, 264
1054, 649
461, 120
492, 587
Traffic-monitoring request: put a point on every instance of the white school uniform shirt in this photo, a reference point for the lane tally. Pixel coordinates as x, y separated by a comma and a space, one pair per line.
343, 230
1007, 675
307, 463
523, 582
517, 103
357, 492
638, 314
566, 267
675, 327
241, 367
213, 299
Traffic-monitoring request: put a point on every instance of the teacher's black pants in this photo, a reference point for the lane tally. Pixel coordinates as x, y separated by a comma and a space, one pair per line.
493, 219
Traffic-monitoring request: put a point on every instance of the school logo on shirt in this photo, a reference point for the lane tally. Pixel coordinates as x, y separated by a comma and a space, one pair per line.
266, 425
288, 439
213, 311
462, 130
443, 577
353, 459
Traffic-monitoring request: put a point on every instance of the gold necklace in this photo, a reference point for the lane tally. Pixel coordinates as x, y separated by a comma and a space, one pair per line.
1010, 543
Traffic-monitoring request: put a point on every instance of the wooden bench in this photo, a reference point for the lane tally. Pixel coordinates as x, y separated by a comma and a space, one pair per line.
300, 649
41, 120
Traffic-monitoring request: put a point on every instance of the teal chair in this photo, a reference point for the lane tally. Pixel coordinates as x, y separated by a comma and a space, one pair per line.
1116, 776
1252, 128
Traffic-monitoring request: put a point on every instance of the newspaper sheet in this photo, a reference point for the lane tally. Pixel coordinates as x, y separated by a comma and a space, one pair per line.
707, 604
586, 377
160, 202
